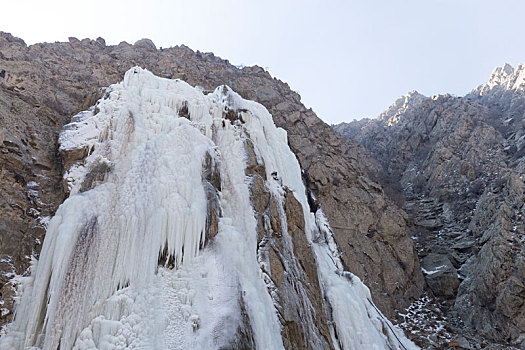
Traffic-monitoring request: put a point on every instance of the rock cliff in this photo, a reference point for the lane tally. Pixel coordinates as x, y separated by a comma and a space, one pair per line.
457, 164
42, 86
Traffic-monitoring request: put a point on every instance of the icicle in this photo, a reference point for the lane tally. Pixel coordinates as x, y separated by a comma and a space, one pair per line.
357, 321
124, 264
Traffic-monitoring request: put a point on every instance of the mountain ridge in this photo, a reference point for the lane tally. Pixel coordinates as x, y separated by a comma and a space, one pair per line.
458, 163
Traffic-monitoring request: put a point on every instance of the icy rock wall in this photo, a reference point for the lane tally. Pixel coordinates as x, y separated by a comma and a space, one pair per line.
125, 263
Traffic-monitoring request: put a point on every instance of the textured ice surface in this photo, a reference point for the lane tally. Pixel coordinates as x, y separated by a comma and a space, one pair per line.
138, 196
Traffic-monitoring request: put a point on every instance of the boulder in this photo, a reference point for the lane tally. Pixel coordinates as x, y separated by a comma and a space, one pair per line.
440, 274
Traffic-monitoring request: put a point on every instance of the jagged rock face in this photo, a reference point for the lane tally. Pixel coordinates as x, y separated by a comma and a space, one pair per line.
289, 263
457, 163
52, 82
30, 185
491, 297
504, 96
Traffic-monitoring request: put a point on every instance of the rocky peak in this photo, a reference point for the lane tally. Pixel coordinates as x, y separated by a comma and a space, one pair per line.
404, 103
505, 77
146, 43
8, 37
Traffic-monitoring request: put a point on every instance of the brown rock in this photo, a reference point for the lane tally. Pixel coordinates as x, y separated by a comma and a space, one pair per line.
211, 178
291, 267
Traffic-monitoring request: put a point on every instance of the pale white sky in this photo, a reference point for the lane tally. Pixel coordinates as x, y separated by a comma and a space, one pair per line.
348, 59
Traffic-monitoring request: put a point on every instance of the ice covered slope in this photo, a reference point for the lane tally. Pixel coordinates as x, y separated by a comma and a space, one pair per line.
159, 245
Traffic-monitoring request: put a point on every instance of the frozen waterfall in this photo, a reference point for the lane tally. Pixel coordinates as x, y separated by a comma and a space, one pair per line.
136, 258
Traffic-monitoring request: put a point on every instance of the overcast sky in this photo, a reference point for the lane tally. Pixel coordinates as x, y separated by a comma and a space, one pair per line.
348, 59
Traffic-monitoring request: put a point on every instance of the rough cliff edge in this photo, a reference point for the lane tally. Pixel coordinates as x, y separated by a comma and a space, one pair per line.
42, 86
458, 165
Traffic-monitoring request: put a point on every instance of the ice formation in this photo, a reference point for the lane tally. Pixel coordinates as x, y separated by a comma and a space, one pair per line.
125, 265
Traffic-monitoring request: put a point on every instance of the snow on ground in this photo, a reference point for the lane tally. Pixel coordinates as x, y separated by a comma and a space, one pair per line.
425, 319
431, 272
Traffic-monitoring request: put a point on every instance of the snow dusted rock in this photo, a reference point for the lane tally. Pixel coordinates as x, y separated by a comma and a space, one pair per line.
505, 78
458, 166
440, 274
491, 297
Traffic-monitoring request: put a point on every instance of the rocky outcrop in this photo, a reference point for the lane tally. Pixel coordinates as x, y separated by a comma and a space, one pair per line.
43, 85
457, 164
491, 299
441, 275
288, 263
30, 183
